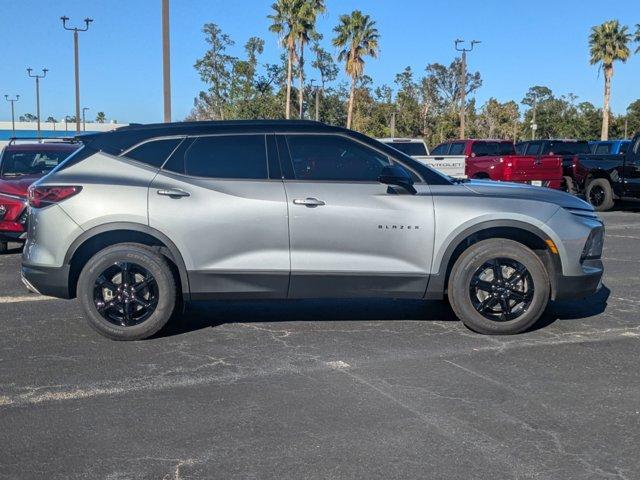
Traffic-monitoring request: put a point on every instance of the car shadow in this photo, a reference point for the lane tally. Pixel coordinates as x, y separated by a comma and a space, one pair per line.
201, 315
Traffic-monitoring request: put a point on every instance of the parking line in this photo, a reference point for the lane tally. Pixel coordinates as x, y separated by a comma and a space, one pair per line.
25, 298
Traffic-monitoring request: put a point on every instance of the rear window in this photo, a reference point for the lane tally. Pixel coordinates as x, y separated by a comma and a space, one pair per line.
440, 149
566, 148
457, 148
228, 156
602, 149
16, 163
533, 148
409, 148
155, 152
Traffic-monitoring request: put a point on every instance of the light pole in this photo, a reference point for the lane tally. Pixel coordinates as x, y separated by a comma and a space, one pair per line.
75, 31
13, 115
463, 81
534, 125
166, 62
84, 125
37, 77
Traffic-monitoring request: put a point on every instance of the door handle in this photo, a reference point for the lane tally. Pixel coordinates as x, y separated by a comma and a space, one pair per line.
308, 202
174, 193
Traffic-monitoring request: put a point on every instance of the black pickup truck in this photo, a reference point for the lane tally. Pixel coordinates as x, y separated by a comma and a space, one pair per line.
606, 178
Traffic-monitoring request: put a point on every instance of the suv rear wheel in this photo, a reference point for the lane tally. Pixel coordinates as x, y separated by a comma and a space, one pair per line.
498, 286
127, 291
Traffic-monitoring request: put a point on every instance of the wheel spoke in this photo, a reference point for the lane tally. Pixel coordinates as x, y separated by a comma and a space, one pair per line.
517, 275
487, 303
520, 296
104, 283
497, 270
126, 313
482, 285
505, 306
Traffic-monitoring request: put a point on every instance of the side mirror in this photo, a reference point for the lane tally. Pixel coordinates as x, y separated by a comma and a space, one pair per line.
397, 176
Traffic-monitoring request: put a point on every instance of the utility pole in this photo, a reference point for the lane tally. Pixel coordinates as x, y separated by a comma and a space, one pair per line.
84, 125
392, 127
534, 125
166, 61
13, 113
75, 31
37, 77
463, 82
317, 94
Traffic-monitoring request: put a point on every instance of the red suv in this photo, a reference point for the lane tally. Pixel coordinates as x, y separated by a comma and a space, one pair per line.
498, 160
20, 166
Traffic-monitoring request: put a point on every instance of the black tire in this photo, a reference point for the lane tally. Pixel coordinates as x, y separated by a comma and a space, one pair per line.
600, 194
468, 294
4, 247
140, 264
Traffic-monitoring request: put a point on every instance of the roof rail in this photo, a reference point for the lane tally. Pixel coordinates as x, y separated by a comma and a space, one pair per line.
14, 140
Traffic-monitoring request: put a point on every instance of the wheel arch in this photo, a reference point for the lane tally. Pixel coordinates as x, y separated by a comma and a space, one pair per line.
102, 236
521, 232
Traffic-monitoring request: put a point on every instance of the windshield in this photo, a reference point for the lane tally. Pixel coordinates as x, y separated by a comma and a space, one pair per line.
16, 163
415, 149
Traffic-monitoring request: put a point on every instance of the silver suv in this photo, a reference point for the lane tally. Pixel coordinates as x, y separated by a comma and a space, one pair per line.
147, 216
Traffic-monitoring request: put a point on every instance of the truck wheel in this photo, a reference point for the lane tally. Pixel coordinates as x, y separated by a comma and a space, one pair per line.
499, 287
127, 291
600, 194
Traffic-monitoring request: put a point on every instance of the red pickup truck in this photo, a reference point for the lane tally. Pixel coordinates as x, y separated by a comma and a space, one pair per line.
20, 166
498, 160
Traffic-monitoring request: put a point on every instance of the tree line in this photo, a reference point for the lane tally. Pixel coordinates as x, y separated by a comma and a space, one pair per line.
418, 103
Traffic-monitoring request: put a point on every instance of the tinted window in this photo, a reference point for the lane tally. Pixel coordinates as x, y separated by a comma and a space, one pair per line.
440, 149
409, 148
506, 148
31, 162
566, 148
457, 148
603, 149
331, 157
227, 156
533, 149
155, 152
480, 149
624, 147
521, 148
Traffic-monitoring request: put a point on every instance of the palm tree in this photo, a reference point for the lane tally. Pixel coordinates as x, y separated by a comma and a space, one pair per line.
286, 23
357, 37
637, 39
307, 14
607, 43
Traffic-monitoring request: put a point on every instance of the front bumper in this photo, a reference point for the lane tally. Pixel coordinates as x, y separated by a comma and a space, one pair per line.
580, 286
49, 281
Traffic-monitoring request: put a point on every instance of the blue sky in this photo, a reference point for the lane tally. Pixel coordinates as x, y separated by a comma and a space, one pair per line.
524, 43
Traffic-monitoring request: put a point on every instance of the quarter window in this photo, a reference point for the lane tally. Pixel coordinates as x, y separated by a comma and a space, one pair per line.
332, 157
533, 149
227, 156
440, 149
155, 152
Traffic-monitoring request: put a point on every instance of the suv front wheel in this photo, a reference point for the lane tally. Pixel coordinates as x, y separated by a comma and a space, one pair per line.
127, 291
498, 286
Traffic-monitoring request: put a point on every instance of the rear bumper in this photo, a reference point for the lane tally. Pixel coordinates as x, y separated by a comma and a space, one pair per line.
580, 286
50, 281
18, 237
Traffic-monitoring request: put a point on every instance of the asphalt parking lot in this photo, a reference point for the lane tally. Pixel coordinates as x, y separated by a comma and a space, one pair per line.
331, 389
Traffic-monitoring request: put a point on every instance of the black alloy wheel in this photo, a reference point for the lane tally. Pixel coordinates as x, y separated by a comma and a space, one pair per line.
596, 195
125, 294
502, 289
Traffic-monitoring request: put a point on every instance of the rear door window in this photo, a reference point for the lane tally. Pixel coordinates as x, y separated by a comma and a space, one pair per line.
154, 152
457, 148
603, 149
480, 149
506, 148
228, 156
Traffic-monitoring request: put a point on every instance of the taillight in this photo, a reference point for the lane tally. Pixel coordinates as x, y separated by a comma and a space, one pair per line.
48, 195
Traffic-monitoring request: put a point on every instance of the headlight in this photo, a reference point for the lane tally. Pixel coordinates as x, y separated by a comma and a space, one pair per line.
593, 248
3, 211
